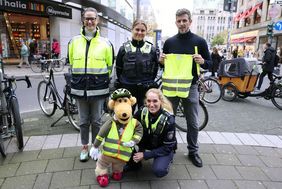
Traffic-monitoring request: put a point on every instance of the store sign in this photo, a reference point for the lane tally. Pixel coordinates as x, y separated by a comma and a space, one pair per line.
42, 8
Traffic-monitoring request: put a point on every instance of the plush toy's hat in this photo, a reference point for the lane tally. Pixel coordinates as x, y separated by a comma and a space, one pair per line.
119, 93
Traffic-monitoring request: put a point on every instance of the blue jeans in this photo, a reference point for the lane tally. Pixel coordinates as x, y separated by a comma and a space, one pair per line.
191, 109
90, 113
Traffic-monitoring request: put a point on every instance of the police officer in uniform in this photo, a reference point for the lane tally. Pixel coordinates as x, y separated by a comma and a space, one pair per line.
137, 63
158, 141
91, 59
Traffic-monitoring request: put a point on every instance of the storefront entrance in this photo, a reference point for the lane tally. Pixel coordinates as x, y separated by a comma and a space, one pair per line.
16, 28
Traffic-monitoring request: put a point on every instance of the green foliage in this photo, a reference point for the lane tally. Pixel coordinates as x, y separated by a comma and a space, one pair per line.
217, 40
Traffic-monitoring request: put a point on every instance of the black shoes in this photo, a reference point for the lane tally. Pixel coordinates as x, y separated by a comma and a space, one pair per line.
196, 160
130, 166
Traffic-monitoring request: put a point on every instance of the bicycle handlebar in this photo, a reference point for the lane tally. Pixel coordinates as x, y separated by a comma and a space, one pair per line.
20, 78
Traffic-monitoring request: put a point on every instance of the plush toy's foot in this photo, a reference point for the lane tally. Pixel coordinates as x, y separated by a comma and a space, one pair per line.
117, 176
103, 180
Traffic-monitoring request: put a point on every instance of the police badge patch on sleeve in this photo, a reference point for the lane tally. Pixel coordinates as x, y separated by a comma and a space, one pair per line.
170, 135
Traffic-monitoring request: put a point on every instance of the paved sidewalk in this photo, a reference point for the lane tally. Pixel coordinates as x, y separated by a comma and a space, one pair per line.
231, 160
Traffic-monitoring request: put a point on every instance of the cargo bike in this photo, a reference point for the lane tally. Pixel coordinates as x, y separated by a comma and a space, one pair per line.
238, 78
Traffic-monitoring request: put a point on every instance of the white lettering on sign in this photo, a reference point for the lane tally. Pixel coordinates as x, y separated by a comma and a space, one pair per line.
50, 10
14, 4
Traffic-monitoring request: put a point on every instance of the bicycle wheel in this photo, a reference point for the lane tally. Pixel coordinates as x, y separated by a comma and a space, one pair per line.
15, 121
72, 112
229, 92
58, 65
277, 97
46, 98
203, 117
211, 91
2, 147
36, 66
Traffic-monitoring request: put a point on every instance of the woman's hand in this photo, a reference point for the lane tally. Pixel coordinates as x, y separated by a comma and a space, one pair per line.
138, 156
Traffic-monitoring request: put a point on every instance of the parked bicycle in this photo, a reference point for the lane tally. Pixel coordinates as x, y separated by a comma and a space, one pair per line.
10, 118
209, 88
49, 99
40, 64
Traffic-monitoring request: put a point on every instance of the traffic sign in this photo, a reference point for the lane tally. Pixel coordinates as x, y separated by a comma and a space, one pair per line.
278, 26
274, 11
279, 2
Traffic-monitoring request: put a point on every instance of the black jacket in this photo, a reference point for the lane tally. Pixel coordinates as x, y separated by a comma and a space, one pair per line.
268, 59
185, 44
166, 140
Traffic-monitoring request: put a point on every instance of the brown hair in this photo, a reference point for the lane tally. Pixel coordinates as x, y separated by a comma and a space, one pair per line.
183, 11
89, 9
136, 22
165, 103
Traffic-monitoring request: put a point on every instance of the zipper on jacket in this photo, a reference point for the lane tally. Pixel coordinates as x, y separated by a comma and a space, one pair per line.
85, 67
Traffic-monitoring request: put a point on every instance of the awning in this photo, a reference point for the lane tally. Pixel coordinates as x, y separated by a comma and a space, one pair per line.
247, 13
252, 10
244, 40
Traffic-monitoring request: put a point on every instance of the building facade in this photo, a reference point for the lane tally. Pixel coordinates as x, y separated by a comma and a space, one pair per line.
43, 20
209, 19
251, 20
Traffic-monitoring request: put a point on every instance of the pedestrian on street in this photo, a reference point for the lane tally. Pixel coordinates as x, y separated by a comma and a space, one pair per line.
137, 63
91, 59
24, 55
182, 56
56, 48
267, 64
158, 141
32, 49
216, 59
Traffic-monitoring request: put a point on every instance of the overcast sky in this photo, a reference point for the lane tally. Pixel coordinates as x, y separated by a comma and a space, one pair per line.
165, 14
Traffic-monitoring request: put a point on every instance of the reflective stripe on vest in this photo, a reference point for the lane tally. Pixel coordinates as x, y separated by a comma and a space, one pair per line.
112, 146
99, 59
177, 76
146, 48
158, 126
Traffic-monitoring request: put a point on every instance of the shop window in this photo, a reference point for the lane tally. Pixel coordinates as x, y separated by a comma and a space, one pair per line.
247, 21
257, 16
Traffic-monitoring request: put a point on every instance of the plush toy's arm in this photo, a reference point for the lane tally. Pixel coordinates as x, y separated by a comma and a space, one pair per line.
138, 133
103, 132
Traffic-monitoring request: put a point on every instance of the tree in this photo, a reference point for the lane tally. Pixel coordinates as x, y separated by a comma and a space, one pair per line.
219, 39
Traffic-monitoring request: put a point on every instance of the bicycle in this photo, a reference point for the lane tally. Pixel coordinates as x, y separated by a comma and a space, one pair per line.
273, 92
49, 100
203, 112
209, 88
10, 118
39, 64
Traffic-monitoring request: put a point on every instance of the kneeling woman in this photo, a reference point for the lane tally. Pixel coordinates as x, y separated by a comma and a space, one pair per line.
158, 140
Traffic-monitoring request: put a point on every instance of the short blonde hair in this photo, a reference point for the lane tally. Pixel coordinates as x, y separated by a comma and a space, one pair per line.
136, 22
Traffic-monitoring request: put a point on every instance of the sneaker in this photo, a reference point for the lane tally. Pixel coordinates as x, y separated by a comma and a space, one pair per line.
117, 176
84, 155
18, 66
103, 180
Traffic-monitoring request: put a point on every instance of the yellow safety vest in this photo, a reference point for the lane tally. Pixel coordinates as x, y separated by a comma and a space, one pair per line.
177, 77
99, 59
156, 127
146, 48
112, 146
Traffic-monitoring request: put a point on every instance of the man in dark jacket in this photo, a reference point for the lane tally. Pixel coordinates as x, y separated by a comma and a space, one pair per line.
268, 63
